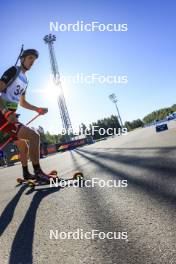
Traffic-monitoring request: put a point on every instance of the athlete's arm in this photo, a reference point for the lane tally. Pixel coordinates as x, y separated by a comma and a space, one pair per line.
2, 105
5, 78
3, 108
2, 88
28, 106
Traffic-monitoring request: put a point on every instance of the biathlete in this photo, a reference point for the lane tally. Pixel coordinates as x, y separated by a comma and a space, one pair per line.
13, 85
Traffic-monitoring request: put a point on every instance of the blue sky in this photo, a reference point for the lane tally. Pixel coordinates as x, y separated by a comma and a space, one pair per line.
145, 53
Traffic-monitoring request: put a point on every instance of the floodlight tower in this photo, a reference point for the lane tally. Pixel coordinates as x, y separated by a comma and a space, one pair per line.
113, 98
49, 40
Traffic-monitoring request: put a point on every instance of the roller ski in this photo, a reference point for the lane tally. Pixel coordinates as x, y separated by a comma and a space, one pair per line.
52, 178
37, 179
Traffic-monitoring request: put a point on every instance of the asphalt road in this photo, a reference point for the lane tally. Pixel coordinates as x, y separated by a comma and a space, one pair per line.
145, 209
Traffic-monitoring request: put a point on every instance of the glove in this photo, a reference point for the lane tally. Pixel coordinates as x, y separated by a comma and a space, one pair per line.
42, 111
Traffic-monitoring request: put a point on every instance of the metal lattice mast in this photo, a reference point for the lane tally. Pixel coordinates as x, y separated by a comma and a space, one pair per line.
49, 39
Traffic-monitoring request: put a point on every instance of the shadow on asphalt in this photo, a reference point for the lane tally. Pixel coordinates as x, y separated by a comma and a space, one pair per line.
21, 250
150, 163
154, 163
163, 149
101, 220
7, 215
74, 160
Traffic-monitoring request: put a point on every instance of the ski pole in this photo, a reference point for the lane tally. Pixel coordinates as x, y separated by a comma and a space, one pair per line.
32, 119
3, 146
21, 51
11, 138
3, 126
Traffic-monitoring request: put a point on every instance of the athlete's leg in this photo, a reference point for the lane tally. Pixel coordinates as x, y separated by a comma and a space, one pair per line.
34, 142
24, 154
24, 151
34, 150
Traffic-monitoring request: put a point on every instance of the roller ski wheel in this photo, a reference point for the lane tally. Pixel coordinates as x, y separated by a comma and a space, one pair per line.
53, 172
20, 180
78, 176
32, 183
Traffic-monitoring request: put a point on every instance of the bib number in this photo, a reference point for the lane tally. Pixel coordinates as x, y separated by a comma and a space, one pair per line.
18, 90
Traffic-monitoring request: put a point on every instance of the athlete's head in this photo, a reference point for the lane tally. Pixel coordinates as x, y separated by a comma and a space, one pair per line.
28, 57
